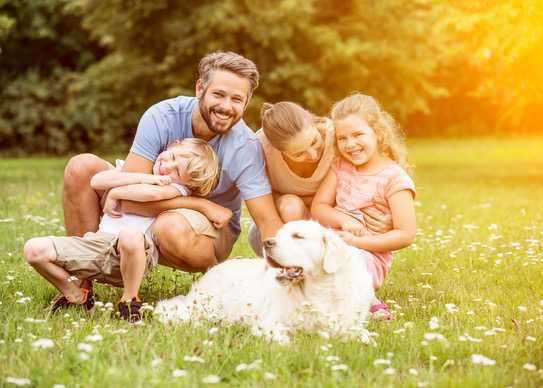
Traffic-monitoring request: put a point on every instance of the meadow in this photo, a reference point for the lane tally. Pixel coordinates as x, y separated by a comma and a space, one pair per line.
467, 297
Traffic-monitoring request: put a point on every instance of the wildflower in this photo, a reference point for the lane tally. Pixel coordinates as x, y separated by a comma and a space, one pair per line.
479, 359
193, 359
522, 309
451, 308
530, 338
389, 371
94, 338
156, 362
59, 386
339, 367
269, 376
381, 361
413, 372
84, 347
83, 356
179, 373
211, 379
213, 330
434, 337
43, 343
18, 381
332, 358
530, 367
433, 324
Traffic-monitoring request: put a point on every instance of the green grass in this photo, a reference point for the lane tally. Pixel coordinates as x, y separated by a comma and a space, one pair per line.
480, 221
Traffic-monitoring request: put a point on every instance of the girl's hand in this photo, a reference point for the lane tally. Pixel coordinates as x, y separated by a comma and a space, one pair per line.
353, 226
112, 207
378, 218
159, 180
349, 238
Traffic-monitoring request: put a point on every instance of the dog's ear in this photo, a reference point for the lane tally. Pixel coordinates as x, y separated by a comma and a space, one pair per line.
334, 251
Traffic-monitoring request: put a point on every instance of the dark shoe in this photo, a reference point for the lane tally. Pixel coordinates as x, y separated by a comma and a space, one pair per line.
61, 302
130, 311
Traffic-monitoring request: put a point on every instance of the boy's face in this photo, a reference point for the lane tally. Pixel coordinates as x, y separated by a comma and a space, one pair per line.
172, 163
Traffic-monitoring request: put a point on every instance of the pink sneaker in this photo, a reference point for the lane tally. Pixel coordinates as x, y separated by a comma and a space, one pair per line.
380, 312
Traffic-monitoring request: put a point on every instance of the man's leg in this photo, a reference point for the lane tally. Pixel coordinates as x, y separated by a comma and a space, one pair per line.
180, 246
40, 253
80, 201
131, 247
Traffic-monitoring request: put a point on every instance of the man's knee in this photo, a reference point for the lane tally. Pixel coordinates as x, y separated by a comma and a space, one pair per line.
291, 208
130, 240
39, 250
80, 169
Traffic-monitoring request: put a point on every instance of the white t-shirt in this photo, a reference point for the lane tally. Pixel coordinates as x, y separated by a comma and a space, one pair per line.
114, 225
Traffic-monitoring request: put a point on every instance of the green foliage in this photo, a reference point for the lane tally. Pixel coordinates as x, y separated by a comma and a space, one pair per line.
438, 67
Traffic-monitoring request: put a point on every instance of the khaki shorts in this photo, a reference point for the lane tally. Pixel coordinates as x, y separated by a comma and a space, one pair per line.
94, 256
223, 239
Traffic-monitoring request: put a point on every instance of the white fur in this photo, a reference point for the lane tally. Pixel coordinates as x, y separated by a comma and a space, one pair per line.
334, 295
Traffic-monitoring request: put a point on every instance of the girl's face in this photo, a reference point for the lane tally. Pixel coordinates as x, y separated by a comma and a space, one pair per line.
356, 140
306, 146
172, 163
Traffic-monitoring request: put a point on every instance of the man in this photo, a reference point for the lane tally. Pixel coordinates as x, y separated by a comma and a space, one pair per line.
192, 233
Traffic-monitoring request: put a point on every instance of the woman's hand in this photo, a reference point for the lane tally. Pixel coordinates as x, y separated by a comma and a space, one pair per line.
378, 218
349, 238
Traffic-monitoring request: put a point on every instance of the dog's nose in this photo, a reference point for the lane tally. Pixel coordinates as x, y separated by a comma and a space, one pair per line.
269, 243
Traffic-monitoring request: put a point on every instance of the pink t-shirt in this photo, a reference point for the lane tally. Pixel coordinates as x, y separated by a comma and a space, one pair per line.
357, 190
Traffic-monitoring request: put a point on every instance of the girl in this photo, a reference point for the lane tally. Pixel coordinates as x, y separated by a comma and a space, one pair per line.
299, 150
370, 172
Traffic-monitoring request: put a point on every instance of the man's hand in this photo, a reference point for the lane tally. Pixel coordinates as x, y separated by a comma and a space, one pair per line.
217, 214
353, 226
112, 206
378, 218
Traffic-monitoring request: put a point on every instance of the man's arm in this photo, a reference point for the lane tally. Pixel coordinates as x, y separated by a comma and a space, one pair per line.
264, 213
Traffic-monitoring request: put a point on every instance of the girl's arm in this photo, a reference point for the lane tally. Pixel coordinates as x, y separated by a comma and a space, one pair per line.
322, 208
404, 227
109, 179
143, 192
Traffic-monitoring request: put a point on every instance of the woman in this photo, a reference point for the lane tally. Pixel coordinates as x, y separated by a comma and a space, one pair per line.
299, 149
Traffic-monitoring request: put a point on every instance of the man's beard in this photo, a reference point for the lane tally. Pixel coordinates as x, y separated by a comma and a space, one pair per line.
206, 115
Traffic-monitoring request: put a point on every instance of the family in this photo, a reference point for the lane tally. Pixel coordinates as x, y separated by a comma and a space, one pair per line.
176, 199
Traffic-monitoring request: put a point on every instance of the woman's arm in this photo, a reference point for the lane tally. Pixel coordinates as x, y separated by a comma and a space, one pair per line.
322, 208
109, 179
403, 232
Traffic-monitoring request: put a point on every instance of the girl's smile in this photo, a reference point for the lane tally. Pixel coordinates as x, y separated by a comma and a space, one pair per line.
357, 142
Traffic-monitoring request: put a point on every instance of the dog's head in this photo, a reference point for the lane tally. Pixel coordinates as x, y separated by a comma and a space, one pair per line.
305, 249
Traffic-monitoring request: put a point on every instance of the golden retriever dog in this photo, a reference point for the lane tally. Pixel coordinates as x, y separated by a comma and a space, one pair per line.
309, 280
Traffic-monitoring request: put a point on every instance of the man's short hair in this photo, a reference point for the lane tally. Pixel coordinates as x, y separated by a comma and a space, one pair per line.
228, 61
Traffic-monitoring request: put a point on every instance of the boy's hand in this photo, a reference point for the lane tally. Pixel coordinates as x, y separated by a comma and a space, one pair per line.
112, 206
159, 180
217, 214
353, 226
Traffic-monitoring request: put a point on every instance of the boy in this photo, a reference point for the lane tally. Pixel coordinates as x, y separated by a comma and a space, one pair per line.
122, 251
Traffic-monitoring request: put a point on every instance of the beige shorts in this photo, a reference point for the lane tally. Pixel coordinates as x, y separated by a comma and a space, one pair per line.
223, 239
95, 256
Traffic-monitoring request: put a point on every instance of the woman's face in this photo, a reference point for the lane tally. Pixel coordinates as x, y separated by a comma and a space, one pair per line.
306, 146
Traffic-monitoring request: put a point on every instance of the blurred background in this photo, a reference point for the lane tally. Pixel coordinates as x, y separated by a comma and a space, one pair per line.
77, 75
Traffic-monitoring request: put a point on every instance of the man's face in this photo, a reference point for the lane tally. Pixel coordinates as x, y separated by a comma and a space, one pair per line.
223, 102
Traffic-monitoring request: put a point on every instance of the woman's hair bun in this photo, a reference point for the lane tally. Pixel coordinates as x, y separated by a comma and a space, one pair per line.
265, 107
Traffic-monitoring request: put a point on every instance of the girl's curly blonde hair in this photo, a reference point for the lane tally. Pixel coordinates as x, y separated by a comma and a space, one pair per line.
390, 137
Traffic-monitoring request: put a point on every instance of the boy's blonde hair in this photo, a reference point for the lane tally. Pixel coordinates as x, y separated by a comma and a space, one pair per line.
284, 120
390, 137
202, 166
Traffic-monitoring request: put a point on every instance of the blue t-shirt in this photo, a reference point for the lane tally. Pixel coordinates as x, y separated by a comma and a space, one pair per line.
243, 172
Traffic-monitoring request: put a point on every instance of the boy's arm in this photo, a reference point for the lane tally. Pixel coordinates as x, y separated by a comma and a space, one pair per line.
403, 234
264, 213
322, 208
109, 179
144, 192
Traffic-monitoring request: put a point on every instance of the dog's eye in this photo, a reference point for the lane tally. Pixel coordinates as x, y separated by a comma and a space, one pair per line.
297, 236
